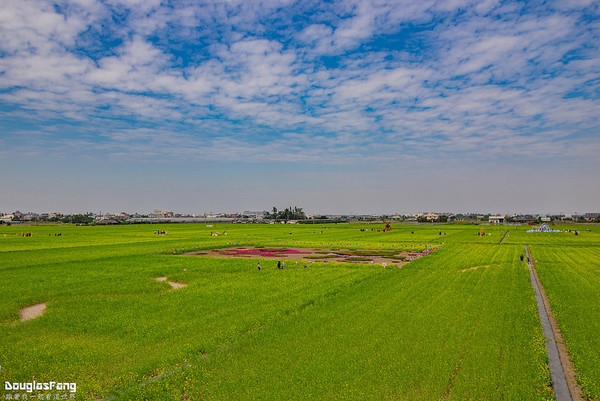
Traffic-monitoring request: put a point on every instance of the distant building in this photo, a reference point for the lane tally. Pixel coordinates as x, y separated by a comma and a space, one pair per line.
30, 216
254, 214
432, 216
498, 219
527, 219
107, 221
105, 217
410, 217
158, 213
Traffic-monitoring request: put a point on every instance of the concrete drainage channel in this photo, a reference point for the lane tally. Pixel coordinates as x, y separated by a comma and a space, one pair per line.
558, 362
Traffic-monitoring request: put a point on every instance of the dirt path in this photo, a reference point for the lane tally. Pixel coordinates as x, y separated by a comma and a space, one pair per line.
562, 371
504, 237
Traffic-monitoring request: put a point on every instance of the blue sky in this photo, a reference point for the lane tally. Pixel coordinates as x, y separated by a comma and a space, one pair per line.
336, 107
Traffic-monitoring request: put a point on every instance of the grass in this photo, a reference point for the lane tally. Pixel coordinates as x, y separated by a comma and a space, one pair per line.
571, 278
424, 332
332, 331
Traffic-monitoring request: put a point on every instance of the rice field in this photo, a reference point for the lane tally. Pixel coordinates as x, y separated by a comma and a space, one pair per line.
458, 323
571, 277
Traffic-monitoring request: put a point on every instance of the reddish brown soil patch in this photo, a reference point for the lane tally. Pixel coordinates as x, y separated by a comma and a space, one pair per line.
311, 255
261, 252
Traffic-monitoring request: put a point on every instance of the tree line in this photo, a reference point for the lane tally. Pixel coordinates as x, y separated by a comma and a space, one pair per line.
289, 213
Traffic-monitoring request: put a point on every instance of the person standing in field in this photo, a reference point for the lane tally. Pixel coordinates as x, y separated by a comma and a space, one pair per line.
258, 266
279, 264
521, 257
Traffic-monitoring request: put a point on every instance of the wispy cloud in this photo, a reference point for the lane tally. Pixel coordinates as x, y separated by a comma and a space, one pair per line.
302, 82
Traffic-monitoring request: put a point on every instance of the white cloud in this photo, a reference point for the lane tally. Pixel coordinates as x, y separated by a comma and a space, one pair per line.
489, 81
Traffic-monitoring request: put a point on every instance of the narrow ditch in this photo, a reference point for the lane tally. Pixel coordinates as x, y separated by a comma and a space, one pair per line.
562, 372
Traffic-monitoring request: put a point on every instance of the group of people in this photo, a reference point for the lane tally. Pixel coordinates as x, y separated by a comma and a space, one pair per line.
279, 265
160, 232
29, 234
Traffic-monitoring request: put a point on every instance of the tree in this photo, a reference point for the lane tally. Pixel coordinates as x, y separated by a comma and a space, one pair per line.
78, 219
289, 213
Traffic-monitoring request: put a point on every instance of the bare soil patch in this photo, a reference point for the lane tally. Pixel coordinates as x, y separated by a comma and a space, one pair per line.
389, 258
174, 285
31, 312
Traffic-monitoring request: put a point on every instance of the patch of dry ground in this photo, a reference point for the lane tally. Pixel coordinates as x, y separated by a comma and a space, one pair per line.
31, 312
174, 285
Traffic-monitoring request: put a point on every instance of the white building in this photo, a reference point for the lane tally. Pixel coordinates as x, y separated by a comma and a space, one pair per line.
254, 214
158, 213
432, 216
498, 219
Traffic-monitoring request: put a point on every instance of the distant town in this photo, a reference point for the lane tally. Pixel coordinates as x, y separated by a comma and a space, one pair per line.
287, 216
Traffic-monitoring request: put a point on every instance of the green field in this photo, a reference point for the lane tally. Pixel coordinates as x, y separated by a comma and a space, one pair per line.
569, 269
571, 277
458, 323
